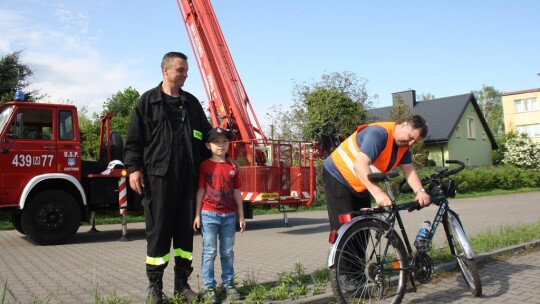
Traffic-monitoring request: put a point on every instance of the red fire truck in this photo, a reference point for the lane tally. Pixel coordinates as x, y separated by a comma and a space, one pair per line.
43, 181
273, 172
50, 190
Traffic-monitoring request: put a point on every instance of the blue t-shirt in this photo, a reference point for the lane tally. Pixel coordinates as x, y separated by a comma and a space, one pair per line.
372, 141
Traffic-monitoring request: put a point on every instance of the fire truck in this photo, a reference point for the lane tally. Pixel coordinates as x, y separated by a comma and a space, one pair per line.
277, 173
49, 190
44, 183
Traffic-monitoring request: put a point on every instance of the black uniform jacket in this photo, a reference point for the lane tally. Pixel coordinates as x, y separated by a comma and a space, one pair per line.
150, 135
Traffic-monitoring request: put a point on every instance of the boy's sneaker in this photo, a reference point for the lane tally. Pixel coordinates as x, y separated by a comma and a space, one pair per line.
210, 296
232, 293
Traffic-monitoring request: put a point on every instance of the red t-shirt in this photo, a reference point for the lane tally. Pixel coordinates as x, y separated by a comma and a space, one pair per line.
219, 179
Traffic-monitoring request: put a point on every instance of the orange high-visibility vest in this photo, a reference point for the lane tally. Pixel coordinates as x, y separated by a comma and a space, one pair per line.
347, 152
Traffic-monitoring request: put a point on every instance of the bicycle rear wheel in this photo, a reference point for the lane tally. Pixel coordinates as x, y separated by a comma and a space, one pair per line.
466, 265
370, 264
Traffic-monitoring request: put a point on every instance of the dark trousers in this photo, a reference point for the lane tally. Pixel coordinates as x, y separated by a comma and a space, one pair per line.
341, 199
169, 203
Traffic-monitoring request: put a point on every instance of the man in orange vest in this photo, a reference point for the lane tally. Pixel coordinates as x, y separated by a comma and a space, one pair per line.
382, 145
373, 147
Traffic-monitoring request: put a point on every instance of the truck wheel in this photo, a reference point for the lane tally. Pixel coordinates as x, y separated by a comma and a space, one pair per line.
51, 217
16, 221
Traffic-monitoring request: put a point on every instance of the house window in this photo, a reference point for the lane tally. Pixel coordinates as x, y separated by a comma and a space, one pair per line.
484, 136
458, 131
471, 130
531, 130
526, 105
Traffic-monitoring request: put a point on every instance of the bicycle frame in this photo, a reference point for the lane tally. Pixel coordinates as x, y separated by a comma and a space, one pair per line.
444, 214
391, 261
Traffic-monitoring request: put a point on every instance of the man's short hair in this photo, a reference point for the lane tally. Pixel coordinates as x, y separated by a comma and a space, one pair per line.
418, 122
167, 58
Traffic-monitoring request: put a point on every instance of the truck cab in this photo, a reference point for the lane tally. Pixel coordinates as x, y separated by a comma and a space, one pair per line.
44, 183
35, 140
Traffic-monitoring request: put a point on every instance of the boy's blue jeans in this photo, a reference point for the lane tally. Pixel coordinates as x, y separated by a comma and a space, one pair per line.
214, 225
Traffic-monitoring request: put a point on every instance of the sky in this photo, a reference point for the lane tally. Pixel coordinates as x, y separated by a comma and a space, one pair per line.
85, 51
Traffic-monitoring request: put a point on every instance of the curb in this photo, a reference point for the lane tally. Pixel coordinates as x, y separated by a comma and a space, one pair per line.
440, 268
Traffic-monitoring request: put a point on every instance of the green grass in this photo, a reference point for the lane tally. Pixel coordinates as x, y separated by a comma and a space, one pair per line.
490, 240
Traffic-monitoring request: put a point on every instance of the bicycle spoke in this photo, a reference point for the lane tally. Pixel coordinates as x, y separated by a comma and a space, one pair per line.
369, 265
467, 266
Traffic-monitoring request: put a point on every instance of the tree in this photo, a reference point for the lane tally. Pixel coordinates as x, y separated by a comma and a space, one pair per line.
280, 127
89, 130
121, 106
426, 96
329, 110
490, 102
501, 140
401, 112
14, 76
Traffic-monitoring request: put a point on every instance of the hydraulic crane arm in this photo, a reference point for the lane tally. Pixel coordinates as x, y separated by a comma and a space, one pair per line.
273, 172
229, 104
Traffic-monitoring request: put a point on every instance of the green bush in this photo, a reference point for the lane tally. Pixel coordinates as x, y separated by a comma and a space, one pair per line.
481, 179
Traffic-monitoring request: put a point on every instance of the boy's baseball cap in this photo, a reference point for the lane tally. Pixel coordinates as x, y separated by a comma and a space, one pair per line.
215, 132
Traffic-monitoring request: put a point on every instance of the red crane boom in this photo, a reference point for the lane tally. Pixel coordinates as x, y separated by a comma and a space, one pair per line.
273, 172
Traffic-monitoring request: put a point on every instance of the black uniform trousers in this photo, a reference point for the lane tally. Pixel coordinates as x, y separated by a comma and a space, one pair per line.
169, 203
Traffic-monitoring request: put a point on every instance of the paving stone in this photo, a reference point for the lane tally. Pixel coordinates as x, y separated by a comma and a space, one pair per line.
263, 251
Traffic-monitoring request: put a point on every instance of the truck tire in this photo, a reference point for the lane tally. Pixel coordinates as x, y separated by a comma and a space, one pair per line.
51, 217
16, 221
117, 146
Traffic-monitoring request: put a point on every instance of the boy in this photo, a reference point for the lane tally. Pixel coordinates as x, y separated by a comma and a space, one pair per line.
219, 202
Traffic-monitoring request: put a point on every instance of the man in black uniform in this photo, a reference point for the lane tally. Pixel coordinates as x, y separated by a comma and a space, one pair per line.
163, 149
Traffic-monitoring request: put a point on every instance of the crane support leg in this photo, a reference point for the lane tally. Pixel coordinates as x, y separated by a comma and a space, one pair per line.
285, 216
93, 222
124, 237
123, 205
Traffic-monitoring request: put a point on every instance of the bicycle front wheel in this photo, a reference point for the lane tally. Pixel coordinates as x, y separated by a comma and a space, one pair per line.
466, 265
370, 264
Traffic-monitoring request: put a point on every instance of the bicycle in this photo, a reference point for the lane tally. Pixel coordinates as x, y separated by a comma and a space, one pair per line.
369, 260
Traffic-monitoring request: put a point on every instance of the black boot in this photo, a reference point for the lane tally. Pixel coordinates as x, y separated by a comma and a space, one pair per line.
155, 288
181, 286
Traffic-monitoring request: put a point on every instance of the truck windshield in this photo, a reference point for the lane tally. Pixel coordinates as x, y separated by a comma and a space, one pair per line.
4, 117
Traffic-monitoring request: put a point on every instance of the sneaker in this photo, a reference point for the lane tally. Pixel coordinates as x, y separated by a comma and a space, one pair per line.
232, 293
210, 295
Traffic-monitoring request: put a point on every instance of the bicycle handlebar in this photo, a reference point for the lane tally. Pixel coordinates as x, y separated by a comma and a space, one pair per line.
456, 170
438, 175
410, 206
